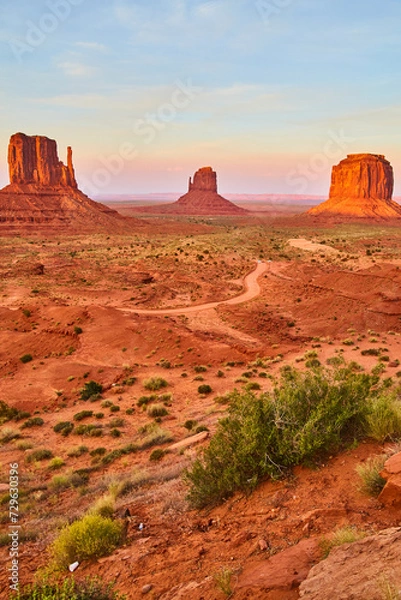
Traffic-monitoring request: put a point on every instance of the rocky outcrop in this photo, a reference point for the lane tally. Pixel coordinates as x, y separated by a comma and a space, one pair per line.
361, 187
34, 160
201, 199
391, 493
44, 191
205, 180
368, 568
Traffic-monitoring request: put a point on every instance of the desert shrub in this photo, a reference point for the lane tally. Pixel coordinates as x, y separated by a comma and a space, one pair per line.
56, 463
204, 389
89, 430
84, 414
371, 482
104, 506
89, 589
78, 330
98, 451
6, 412
118, 452
305, 414
157, 410
200, 369
117, 422
24, 445
157, 454
99, 415
220, 373
145, 400
64, 427
22, 414
33, 422
93, 536
115, 433
252, 386
26, 312
154, 384
223, 579
155, 435
190, 424
130, 381
114, 408
312, 363
78, 451
7, 434
165, 364
384, 417
26, 358
371, 352
342, 535
40, 454
106, 404
129, 411
59, 483
91, 390
201, 428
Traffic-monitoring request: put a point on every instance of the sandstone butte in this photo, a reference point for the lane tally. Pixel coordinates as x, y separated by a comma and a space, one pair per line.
202, 198
44, 191
361, 187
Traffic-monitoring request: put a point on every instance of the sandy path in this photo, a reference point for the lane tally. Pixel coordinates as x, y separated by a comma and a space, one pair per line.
310, 246
252, 290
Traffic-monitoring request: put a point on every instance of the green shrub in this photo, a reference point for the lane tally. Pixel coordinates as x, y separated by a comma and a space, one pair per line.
93, 536
26, 358
40, 454
305, 414
84, 414
204, 389
7, 434
157, 454
371, 482
69, 589
190, 424
32, 422
155, 435
117, 422
154, 384
78, 330
343, 535
200, 369
130, 381
56, 463
114, 408
76, 452
6, 412
157, 410
384, 417
89, 430
115, 433
91, 390
145, 400
64, 427
106, 404
252, 386
98, 451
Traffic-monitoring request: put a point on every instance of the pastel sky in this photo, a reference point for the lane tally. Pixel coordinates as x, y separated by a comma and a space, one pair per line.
270, 93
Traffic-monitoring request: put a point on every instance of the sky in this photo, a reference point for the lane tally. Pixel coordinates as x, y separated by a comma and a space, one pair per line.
270, 93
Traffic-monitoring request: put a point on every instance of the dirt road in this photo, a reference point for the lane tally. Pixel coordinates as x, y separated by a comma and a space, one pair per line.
252, 290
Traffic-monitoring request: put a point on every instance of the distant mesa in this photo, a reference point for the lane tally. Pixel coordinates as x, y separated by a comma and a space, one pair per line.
201, 199
361, 187
43, 190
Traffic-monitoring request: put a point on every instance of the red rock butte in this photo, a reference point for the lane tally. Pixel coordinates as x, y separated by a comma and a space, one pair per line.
44, 191
361, 187
202, 198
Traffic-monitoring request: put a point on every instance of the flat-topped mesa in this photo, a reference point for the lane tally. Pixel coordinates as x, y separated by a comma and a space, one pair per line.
34, 160
363, 176
205, 180
361, 188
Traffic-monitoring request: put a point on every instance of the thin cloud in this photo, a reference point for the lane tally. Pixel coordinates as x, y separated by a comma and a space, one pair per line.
92, 46
76, 69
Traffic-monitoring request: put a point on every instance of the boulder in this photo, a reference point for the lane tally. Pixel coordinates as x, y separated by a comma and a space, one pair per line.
368, 568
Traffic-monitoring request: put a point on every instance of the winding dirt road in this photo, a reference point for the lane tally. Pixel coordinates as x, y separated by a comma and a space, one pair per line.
252, 290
